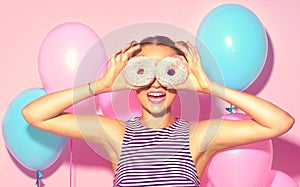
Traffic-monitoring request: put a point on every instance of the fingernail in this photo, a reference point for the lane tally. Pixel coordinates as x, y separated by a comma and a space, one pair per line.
135, 44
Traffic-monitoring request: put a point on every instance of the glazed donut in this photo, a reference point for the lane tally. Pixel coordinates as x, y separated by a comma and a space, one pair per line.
171, 71
139, 71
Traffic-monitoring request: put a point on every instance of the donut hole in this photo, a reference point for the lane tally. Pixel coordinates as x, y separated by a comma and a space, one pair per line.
171, 72
140, 71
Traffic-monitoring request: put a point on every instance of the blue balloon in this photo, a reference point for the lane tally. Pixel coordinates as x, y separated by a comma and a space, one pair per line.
33, 148
237, 40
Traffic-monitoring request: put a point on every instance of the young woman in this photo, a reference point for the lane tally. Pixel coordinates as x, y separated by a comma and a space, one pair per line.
157, 149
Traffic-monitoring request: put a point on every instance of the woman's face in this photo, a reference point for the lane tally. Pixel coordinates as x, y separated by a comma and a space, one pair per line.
155, 98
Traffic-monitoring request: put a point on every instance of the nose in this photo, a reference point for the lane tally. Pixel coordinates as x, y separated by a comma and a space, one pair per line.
156, 84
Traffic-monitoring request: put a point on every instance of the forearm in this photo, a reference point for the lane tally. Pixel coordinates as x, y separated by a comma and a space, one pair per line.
54, 104
260, 110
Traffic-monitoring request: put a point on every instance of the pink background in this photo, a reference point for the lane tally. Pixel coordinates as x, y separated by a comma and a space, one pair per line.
24, 24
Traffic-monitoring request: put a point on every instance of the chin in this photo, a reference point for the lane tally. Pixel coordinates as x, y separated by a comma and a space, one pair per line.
157, 110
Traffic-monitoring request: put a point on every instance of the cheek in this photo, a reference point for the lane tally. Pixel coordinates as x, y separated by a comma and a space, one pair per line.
142, 96
172, 96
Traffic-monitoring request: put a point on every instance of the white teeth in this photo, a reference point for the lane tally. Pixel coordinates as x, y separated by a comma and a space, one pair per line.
156, 94
156, 97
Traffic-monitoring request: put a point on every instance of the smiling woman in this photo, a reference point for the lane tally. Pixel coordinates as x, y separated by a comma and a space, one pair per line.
156, 148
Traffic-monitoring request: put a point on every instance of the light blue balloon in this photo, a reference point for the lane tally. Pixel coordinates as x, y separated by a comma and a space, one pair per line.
237, 40
33, 148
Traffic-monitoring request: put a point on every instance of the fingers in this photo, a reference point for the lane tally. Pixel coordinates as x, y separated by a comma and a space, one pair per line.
190, 51
128, 53
185, 49
204, 82
125, 53
195, 53
117, 63
193, 57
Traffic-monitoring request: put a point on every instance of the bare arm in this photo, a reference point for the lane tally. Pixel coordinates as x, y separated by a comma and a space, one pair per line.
47, 113
268, 120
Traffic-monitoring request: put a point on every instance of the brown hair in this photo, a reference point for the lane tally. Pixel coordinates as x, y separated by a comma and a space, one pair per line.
159, 40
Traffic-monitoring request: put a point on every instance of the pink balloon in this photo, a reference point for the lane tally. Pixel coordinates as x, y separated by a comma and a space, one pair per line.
70, 55
236, 116
246, 165
280, 179
122, 105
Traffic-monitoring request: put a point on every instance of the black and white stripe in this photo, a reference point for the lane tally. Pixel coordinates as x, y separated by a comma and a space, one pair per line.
156, 157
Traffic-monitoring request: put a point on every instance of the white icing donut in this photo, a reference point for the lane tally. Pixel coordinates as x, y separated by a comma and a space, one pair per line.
139, 71
171, 71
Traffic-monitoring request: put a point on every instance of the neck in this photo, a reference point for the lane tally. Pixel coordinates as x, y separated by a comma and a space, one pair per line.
157, 121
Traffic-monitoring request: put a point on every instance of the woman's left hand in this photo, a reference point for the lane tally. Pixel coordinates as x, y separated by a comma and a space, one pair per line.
197, 78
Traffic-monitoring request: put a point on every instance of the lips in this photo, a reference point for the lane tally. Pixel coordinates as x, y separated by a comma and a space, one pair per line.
156, 97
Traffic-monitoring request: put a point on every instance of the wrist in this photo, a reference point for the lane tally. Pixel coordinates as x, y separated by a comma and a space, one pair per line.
208, 88
91, 87
216, 89
96, 87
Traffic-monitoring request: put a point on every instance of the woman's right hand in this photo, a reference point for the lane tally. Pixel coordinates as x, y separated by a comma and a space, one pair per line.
113, 80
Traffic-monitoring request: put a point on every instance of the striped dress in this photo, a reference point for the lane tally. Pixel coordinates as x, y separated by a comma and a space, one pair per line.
156, 157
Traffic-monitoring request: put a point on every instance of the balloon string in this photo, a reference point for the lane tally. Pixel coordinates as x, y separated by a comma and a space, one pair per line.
71, 162
39, 175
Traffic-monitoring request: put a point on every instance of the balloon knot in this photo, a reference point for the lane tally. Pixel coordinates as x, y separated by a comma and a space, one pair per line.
39, 175
231, 108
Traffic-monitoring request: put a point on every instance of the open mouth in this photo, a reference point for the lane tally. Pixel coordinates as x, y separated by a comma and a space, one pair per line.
156, 97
